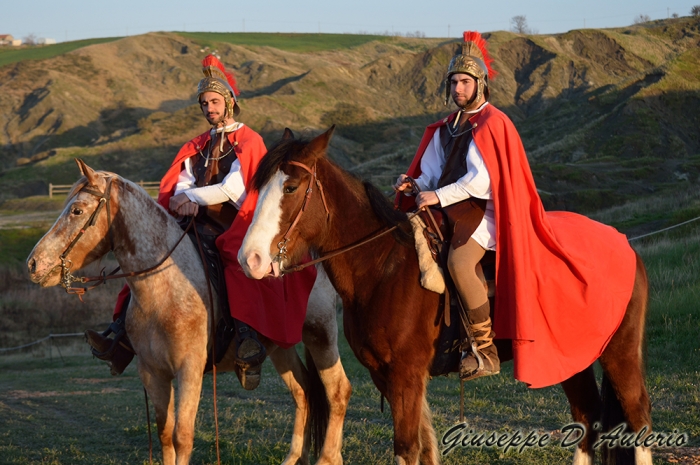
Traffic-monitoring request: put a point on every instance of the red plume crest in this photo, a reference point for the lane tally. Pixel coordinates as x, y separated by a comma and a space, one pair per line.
211, 60
480, 42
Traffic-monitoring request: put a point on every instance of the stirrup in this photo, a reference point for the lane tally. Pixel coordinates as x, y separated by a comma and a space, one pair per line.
249, 350
119, 339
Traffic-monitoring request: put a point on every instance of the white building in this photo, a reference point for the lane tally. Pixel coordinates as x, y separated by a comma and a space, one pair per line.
46, 41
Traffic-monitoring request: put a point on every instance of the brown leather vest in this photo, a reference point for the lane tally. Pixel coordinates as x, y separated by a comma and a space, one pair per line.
215, 218
456, 150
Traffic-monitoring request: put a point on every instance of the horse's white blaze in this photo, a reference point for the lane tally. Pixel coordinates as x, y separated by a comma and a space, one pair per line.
254, 254
642, 456
582, 457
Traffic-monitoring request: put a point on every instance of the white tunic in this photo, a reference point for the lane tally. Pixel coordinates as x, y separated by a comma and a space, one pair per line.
231, 189
475, 183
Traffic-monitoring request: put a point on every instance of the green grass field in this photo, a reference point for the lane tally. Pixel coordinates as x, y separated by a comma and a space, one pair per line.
64, 407
41, 52
284, 41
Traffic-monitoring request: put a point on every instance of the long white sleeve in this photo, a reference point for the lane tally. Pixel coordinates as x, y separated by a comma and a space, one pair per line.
431, 164
230, 189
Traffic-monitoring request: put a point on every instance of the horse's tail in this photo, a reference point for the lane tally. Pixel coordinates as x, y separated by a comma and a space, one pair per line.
613, 416
317, 400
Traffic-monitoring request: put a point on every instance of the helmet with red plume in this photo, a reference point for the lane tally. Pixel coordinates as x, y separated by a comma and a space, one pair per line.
474, 61
217, 79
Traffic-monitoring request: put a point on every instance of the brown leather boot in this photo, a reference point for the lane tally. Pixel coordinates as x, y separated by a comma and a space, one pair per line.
485, 362
117, 351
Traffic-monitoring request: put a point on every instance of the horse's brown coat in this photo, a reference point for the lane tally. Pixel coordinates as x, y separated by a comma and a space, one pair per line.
391, 322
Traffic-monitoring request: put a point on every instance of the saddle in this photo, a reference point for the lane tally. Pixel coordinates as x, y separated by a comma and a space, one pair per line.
453, 226
225, 331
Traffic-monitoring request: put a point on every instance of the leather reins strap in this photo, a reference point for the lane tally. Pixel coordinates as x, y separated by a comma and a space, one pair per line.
102, 278
436, 226
212, 330
347, 248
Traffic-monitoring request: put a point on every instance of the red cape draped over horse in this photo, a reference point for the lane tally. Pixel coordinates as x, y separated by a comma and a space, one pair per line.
276, 308
563, 281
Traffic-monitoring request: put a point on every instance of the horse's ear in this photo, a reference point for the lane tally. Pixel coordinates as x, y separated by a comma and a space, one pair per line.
86, 171
288, 134
320, 143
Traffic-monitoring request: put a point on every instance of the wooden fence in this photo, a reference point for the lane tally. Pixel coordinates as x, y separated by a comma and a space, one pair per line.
57, 189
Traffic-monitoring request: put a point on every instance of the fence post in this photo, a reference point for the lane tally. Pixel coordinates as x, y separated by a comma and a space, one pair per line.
50, 190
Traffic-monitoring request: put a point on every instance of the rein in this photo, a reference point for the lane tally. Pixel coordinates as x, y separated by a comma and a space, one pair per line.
67, 279
282, 245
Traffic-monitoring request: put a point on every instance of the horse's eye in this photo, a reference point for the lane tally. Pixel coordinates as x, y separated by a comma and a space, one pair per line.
290, 189
76, 211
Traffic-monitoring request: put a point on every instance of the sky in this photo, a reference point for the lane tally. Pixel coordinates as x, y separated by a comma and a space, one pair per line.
67, 20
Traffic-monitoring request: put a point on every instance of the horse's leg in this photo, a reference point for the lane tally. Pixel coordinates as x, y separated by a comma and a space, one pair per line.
292, 371
162, 395
584, 399
320, 336
623, 366
325, 360
189, 390
405, 393
428, 442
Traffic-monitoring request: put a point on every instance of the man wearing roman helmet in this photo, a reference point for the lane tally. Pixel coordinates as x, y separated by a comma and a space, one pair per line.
553, 284
208, 180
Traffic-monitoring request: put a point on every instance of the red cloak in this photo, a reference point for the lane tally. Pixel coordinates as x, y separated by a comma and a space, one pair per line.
563, 281
274, 307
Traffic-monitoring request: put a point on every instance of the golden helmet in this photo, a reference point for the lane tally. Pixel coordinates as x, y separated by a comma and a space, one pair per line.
217, 79
474, 61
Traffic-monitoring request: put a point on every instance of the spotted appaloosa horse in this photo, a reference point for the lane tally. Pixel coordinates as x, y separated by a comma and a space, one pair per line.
169, 319
390, 321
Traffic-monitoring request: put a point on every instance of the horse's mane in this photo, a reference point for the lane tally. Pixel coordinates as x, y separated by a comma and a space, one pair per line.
82, 182
387, 214
280, 153
77, 187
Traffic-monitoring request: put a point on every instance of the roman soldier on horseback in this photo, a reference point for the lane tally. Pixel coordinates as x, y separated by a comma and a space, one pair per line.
452, 169
208, 180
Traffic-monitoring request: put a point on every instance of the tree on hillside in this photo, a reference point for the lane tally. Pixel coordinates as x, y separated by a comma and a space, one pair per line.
29, 39
695, 11
519, 25
642, 19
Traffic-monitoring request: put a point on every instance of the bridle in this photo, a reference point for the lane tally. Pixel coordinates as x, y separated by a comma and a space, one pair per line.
67, 278
282, 245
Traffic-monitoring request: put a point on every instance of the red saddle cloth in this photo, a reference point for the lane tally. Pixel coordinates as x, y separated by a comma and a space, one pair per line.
563, 281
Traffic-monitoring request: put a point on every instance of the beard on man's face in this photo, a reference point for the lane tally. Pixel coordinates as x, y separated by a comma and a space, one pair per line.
215, 118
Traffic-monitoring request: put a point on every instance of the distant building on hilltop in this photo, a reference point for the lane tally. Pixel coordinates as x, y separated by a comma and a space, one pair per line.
46, 41
7, 39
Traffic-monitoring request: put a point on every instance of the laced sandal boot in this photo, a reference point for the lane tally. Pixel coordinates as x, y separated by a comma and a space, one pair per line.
484, 361
117, 351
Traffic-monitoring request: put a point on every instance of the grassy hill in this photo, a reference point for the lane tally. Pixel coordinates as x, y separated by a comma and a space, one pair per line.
606, 115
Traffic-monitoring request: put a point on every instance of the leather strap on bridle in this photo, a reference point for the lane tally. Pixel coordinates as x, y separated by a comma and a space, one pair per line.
282, 245
67, 279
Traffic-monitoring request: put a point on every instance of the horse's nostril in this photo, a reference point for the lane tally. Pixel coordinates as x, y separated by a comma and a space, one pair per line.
32, 266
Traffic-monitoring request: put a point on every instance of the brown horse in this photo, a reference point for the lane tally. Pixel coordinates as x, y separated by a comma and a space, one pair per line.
169, 317
391, 322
